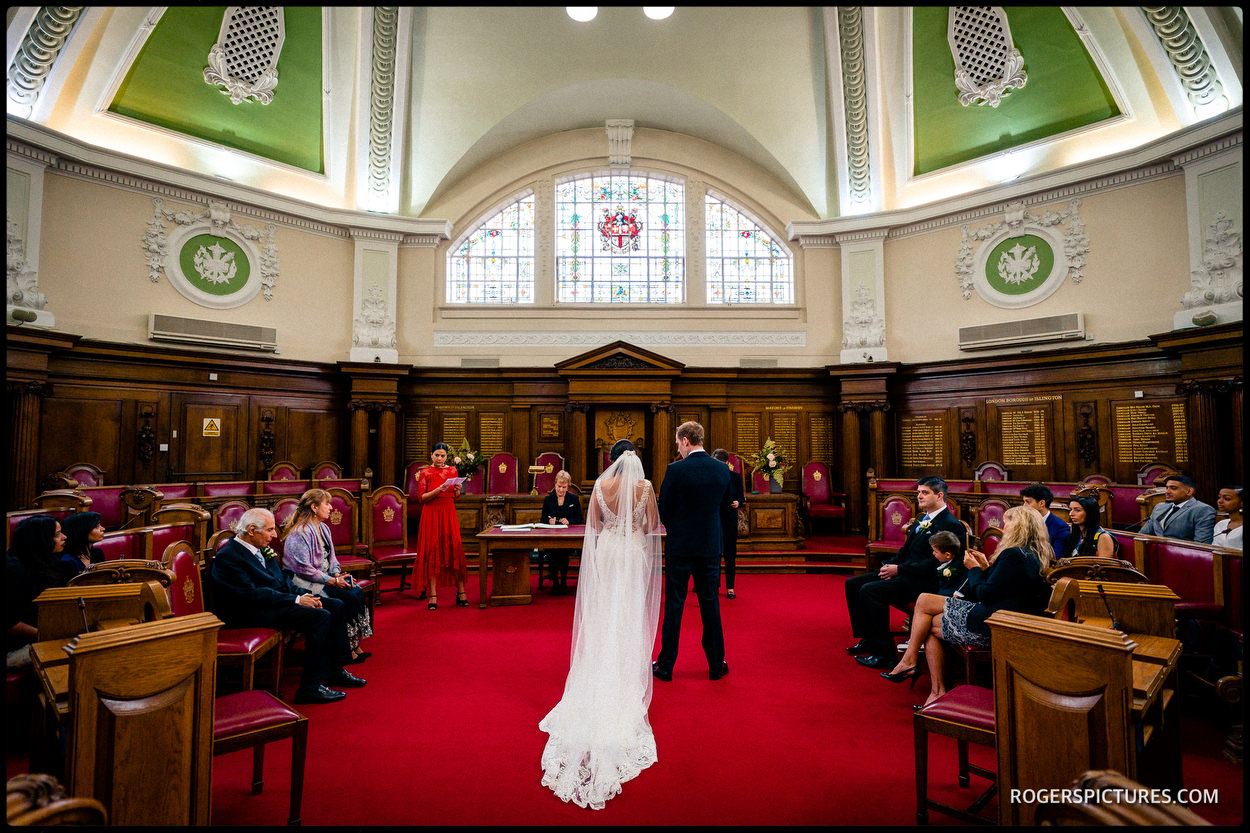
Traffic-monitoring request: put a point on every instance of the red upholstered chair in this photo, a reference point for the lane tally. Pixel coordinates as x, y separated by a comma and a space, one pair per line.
326, 470
124, 543
284, 470
1097, 480
989, 514
353, 556
990, 470
1151, 473
501, 475
227, 514
18, 515
475, 485
735, 463
159, 538
85, 474
286, 486
990, 539
351, 484
759, 483
228, 488
819, 499
174, 492
1002, 487
1189, 570
235, 646
282, 510
965, 713
410, 488
252, 719
545, 480
386, 532
72, 499
896, 512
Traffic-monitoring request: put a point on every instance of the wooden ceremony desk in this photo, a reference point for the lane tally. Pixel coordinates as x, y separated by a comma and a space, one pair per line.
510, 549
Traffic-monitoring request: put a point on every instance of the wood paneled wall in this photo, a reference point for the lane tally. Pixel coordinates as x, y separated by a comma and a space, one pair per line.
230, 417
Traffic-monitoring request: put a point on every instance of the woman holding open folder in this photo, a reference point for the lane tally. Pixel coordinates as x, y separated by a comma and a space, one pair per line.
440, 555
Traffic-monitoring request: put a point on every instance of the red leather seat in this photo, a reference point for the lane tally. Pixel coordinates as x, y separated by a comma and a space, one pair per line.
254, 718
965, 713
386, 532
819, 499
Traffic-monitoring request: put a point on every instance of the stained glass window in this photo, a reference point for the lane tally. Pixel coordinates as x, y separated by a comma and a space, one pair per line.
494, 264
620, 239
746, 264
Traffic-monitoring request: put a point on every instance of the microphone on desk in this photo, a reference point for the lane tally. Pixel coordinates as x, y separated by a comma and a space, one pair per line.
82, 608
1102, 594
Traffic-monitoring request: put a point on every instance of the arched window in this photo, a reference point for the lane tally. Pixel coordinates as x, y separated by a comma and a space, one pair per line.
620, 238
745, 263
494, 264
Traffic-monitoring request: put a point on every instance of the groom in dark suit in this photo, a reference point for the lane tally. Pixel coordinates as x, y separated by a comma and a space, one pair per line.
692, 499
901, 579
250, 590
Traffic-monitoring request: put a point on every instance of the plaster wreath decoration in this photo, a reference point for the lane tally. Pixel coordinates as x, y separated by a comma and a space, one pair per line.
1019, 266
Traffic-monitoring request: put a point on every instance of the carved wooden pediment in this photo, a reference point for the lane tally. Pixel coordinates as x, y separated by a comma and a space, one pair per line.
621, 357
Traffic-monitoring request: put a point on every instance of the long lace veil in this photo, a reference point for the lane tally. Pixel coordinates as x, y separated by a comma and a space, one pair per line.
600, 734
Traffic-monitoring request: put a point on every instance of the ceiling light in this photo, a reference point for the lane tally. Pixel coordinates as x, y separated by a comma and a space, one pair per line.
657, 12
582, 14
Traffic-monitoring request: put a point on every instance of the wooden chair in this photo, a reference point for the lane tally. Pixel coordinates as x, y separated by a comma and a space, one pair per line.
965, 713
284, 470
282, 510
545, 480
352, 555
71, 499
1154, 474
139, 504
227, 489
410, 489
501, 475
18, 515
896, 512
227, 513
124, 544
173, 492
989, 514
1095, 568
760, 483
243, 647
85, 474
123, 571
990, 539
254, 718
990, 470
1097, 480
184, 513
386, 532
326, 470
819, 499
39, 800
285, 486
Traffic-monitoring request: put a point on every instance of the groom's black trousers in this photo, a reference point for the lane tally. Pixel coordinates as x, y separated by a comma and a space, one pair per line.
677, 576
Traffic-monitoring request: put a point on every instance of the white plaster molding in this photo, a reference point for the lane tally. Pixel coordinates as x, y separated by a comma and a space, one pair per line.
988, 67
855, 103
1185, 51
620, 138
595, 338
161, 252
28, 72
1069, 251
381, 100
1219, 279
244, 60
22, 284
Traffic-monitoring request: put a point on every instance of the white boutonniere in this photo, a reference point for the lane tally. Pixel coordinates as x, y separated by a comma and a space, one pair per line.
268, 552
925, 524
946, 570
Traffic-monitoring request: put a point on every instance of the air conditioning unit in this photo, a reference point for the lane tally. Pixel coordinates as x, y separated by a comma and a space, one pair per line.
1069, 327
211, 333
479, 363
756, 361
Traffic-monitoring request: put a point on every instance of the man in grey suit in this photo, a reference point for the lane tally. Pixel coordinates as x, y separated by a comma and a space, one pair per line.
692, 498
1182, 515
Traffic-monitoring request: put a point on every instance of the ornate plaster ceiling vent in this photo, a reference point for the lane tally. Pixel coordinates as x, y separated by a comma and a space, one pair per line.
987, 64
244, 61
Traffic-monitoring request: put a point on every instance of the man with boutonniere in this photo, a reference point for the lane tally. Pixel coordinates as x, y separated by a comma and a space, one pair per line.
901, 579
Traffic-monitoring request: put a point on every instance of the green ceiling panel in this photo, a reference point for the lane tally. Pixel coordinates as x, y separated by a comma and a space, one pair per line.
1064, 90
165, 86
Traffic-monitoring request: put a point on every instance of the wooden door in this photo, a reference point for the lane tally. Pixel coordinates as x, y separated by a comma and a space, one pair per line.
210, 443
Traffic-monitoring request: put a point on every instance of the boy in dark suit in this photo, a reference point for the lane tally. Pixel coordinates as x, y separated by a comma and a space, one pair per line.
692, 500
250, 590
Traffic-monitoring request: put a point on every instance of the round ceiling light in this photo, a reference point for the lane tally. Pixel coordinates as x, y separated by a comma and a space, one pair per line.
657, 12
582, 14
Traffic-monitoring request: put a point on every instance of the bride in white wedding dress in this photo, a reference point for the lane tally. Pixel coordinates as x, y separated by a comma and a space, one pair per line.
599, 733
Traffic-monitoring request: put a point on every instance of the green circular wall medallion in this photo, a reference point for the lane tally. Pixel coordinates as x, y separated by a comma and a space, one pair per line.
214, 265
1019, 265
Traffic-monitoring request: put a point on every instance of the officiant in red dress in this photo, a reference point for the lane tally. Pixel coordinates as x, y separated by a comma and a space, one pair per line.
440, 554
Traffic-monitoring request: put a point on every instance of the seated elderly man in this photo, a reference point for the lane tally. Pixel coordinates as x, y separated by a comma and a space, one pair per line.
1181, 515
252, 591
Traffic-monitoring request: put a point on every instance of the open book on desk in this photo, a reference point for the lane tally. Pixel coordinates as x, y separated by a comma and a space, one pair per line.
523, 527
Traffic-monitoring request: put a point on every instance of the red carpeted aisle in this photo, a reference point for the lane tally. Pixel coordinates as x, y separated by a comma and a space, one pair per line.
446, 732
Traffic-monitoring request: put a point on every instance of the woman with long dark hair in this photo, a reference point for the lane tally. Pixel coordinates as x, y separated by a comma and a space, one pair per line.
308, 552
29, 569
1087, 537
440, 554
83, 530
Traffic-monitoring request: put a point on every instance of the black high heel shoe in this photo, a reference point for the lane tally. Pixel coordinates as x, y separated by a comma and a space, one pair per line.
433, 605
911, 673
462, 600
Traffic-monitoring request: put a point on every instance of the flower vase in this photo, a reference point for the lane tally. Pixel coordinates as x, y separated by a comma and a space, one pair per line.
774, 486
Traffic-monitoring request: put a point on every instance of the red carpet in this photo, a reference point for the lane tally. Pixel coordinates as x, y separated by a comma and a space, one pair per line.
447, 733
